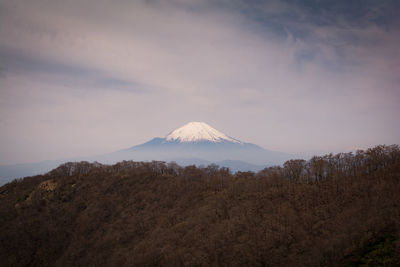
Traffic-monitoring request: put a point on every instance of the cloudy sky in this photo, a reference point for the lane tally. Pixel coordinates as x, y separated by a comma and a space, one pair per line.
88, 77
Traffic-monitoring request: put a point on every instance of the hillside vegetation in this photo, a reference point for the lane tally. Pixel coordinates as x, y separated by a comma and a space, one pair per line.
333, 210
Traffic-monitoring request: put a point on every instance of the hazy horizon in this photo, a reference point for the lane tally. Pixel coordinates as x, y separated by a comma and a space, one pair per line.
81, 78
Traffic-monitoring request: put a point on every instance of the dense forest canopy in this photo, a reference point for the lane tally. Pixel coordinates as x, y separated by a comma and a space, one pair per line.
334, 210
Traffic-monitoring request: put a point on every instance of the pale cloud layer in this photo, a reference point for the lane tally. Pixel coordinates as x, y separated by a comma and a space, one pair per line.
86, 77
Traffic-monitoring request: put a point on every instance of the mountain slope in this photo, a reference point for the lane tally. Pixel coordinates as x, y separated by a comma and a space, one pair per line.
326, 212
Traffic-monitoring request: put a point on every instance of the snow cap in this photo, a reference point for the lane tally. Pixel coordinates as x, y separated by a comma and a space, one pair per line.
198, 131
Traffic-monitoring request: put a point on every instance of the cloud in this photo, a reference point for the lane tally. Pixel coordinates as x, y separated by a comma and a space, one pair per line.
287, 76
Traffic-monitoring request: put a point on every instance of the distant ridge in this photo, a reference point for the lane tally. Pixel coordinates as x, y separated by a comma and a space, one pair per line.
194, 143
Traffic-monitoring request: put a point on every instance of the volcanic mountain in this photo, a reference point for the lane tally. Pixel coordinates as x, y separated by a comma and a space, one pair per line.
194, 143
198, 141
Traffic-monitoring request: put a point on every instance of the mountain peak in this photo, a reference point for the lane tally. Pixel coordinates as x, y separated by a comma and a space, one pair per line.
198, 131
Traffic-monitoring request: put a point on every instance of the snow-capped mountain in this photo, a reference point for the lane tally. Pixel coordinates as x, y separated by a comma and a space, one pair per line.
201, 141
198, 132
194, 143
194, 135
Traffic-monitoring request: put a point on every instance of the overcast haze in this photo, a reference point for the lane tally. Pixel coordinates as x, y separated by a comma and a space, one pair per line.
88, 77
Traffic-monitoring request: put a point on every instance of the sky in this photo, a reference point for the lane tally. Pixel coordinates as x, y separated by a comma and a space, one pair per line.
81, 78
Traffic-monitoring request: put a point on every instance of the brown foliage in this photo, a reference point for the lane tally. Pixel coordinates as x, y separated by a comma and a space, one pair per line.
134, 213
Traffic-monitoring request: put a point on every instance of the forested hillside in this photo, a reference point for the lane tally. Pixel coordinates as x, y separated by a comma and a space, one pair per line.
333, 210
